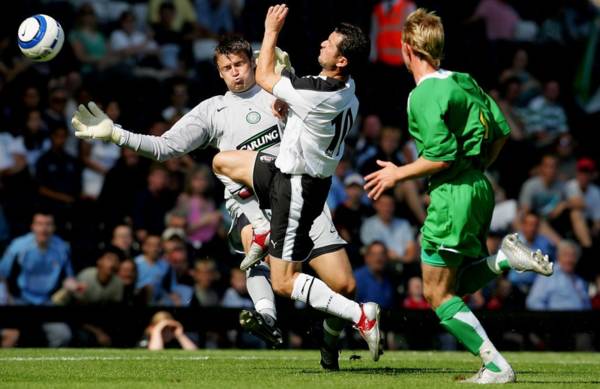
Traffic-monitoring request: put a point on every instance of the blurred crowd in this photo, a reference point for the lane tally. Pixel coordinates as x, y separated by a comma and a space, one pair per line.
84, 222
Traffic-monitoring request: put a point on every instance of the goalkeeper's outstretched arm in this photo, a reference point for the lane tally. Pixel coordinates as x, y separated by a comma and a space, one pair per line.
189, 133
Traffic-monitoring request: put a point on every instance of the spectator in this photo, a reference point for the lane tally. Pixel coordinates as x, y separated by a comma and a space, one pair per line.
387, 21
564, 290
152, 204
98, 285
546, 118
155, 272
132, 296
509, 93
122, 185
584, 200
134, 48
395, 233
122, 239
166, 332
502, 22
236, 296
505, 297
414, 297
176, 255
202, 216
531, 236
350, 215
88, 42
366, 144
16, 184
54, 116
544, 195
34, 138
171, 22
215, 16
99, 157
179, 102
205, 274
59, 177
372, 280
34, 266
529, 85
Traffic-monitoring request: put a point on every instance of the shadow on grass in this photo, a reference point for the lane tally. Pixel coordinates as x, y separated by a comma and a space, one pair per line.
392, 371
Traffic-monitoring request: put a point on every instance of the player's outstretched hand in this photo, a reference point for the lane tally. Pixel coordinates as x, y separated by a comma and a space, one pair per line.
276, 17
92, 123
378, 182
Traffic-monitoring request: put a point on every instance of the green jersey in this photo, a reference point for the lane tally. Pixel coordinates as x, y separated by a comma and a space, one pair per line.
452, 119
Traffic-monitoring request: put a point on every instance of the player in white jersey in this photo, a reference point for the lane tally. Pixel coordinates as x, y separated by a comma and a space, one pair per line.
321, 112
241, 119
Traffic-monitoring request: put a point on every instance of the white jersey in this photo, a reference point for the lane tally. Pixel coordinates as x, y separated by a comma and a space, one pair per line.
322, 111
234, 121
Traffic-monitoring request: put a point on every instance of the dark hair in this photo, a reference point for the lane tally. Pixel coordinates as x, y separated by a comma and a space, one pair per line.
232, 44
355, 46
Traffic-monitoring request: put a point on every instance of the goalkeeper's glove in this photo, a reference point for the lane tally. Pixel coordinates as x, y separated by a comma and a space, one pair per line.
92, 123
282, 60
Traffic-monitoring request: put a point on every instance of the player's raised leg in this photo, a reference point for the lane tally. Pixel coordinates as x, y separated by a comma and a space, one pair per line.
235, 170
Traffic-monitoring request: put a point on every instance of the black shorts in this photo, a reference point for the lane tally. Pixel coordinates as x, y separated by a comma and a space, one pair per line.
295, 201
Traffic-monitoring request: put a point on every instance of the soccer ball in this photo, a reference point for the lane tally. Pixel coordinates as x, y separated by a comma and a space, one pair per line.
40, 37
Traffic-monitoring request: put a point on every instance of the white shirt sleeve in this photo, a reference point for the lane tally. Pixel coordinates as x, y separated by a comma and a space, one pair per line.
194, 130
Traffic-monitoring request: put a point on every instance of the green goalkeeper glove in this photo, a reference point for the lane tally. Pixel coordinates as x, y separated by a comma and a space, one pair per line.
92, 123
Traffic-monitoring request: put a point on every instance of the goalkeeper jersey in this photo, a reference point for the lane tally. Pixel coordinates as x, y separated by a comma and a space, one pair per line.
322, 111
234, 121
452, 119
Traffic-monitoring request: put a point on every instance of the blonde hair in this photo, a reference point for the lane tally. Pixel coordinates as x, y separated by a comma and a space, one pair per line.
424, 33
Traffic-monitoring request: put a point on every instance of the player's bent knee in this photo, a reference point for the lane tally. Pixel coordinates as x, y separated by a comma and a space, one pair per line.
219, 163
283, 286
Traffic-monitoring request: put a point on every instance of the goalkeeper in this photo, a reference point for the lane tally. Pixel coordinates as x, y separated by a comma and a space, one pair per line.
459, 131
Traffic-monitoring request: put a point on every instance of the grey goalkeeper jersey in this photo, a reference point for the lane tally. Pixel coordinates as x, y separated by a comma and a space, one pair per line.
234, 121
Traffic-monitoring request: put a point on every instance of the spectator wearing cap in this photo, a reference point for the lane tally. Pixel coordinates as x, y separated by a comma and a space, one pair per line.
349, 215
584, 199
396, 233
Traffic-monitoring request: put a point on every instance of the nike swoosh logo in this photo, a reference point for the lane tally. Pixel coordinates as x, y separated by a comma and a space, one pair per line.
220, 109
332, 230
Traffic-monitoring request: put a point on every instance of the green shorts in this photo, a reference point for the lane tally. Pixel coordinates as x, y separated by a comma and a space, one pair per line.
458, 220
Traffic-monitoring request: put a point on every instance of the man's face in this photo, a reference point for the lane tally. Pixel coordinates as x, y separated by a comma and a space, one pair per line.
385, 207
530, 227
151, 247
549, 169
330, 55
122, 237
376, 258
237, 70
42, 227
567, 259
108, 263
127, 272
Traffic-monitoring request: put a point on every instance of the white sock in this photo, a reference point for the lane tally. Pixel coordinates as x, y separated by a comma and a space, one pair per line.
249, 206
260, 290
489, 354
317, 294
498, 262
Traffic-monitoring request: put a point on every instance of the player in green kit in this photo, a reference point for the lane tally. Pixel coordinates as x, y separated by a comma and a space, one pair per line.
459, 131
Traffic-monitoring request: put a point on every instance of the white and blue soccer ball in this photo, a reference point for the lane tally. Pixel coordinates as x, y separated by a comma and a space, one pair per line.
40, 37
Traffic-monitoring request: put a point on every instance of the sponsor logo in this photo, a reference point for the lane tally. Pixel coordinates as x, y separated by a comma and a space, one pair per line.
262, 140
253, 117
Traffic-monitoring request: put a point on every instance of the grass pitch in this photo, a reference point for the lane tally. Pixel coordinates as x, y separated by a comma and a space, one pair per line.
85, 368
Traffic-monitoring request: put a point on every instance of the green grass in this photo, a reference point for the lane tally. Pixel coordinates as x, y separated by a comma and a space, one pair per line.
84, 368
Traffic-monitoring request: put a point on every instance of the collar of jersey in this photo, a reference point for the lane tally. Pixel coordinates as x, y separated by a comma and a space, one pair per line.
439, 74
247, 93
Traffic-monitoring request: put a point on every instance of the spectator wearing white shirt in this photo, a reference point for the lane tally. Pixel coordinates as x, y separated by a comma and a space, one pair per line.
396, 233
134, 47
546, 118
